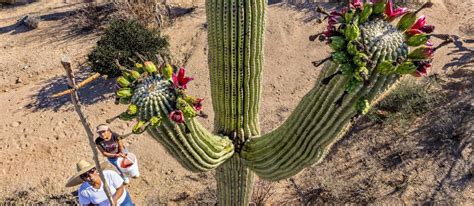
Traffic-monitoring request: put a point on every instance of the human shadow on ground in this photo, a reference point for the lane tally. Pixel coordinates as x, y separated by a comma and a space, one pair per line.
94, 92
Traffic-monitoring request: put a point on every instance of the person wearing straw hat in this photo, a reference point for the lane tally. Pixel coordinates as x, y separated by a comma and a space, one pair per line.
91, 191
110, 145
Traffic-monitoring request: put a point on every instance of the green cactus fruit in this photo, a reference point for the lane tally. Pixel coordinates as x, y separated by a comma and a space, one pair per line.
361, 73
135, 74
349, 15
379, 7
360, 59
150, 67
406, 21
139, 67
352, 48
155, 121
421, 53
406, 68
137, 129
124, 92
347, 69
352, 32
365, 13
188, 110
386, 67
363, 106
339, 57
337, 43
126, 117
124, 100
417, 40
132, 109
122, 81
167, 72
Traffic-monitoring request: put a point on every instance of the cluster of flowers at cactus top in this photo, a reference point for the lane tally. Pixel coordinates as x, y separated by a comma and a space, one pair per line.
345, 35
161, 87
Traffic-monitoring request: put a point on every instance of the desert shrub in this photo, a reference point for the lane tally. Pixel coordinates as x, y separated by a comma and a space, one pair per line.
121, 41
410, 99
262, 191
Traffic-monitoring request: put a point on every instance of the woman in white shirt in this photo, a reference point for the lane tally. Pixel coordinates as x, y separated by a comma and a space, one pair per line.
91, 191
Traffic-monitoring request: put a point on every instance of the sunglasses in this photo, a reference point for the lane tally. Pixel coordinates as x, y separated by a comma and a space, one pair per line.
86, 174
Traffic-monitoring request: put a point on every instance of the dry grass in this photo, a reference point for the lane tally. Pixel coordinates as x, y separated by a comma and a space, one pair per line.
262, 191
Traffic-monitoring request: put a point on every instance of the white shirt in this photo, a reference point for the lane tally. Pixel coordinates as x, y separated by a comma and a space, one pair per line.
88, 194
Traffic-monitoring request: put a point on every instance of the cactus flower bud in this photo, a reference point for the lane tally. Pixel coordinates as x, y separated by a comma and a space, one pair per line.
412, 32
421, 53
379, 6
349, 15
337, 42
360, 59
139, 67
365, 13
150, 67
124, 92
352, 48
406, 68
122, 81
357, 3
386, 67
417, 40
361, 74
135, 74
167, 72
352, 32
339, 57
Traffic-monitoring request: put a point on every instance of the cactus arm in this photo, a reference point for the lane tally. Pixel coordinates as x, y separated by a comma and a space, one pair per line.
308, 133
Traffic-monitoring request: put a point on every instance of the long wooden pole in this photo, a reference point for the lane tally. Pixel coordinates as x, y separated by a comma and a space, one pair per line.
75, 100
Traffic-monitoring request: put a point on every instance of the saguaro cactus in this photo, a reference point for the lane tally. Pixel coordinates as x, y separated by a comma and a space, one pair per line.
369, 56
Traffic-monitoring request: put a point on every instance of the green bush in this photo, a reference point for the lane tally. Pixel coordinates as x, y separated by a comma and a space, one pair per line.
121, 41
411, 98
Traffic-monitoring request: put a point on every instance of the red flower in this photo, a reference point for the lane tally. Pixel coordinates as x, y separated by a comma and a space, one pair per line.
177, 116
392, 14
197, 104
180, 81
422, 69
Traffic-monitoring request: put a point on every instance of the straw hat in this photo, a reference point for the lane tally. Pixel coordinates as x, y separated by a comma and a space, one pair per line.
82, 167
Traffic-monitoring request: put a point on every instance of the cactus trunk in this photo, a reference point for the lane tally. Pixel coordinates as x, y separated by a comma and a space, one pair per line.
235, 38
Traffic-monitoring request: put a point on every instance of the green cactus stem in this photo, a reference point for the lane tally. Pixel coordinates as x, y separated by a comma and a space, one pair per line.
235, 38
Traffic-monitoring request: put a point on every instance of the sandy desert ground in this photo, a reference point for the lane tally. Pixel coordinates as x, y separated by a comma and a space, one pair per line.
41, 138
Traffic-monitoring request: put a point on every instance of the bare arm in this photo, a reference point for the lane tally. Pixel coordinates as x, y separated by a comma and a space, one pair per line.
107, 154
118, 193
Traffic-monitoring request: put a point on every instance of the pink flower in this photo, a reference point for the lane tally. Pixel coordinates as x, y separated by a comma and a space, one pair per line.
197, 104
177, 116
392, 14
180, 81
357, 3
422, 69
419, 23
